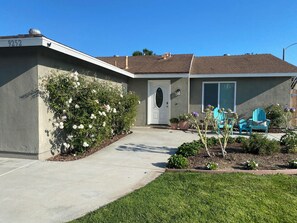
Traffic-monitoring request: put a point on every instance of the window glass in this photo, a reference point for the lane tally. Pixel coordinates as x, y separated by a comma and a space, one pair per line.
227, 95
210, 94
159, 97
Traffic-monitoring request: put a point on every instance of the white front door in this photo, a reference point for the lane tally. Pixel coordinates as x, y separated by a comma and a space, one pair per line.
158, 101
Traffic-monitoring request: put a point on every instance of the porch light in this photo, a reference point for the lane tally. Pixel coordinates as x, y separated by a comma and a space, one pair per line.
177, 92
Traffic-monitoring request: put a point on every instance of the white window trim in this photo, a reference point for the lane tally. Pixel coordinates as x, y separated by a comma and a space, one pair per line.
219, 82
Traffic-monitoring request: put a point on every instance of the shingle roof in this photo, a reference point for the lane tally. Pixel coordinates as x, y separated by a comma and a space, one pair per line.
258, 63
177, 63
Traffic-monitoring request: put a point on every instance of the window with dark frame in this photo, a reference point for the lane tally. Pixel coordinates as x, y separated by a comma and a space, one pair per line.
219, 94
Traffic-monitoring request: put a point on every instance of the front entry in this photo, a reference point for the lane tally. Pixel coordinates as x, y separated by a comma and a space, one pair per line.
158, 101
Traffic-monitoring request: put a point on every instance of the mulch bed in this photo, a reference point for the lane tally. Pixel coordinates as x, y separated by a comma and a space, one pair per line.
236, 158
72, 157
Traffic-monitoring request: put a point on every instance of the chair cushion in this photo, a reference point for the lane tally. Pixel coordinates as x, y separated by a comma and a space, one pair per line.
260, 123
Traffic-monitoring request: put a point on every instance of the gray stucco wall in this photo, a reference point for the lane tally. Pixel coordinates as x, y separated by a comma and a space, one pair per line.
19, 102
251, 93
179, 104
25, 120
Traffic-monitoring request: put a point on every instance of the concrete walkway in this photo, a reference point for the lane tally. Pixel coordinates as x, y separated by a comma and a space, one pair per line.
43, 191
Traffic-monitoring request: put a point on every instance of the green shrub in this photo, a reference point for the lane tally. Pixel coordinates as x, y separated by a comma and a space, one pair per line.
293, 164
212, 141
231, 140
240, 139
276, 114
86, 111
251, 165
174, 120
289, 140
189, 148
184, 117
259, 144
177, 162
211, 166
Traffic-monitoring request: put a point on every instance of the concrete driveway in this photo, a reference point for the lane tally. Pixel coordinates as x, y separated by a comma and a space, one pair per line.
43, 191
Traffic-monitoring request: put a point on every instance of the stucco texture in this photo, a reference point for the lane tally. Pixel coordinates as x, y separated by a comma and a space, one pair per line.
251, 93
19, 102
26, 121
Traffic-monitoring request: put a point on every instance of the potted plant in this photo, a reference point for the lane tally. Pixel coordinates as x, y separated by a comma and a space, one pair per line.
174, 123
184, 121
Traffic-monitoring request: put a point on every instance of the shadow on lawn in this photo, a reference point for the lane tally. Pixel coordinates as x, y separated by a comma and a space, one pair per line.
146, 148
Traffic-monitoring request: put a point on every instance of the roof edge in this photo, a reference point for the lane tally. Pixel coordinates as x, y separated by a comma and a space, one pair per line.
51, 44
291, 74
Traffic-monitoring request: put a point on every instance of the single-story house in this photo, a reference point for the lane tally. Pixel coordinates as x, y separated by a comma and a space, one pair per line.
173, 84
25, 121
167, 85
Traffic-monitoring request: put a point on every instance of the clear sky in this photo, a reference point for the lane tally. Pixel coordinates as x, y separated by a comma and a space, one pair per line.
119, 27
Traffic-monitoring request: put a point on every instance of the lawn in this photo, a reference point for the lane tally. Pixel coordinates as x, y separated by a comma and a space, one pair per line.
199, 197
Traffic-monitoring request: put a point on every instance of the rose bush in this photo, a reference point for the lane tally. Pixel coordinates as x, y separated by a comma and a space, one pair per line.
86, 111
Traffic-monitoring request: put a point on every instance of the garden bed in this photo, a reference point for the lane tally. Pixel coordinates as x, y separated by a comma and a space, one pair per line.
236, 158
72, 157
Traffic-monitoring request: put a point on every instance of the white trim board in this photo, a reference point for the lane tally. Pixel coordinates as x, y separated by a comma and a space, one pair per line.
163, 76
243, 75
51, 44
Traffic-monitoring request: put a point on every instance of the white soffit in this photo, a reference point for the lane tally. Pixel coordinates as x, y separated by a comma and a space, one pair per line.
43, 41
163, 76
243, 75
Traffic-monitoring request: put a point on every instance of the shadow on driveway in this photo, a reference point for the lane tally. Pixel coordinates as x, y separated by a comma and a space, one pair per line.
146, 148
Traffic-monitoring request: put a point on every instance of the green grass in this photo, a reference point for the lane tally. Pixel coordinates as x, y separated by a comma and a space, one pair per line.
199, 197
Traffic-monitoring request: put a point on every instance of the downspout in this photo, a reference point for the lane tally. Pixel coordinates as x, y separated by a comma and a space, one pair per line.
189, 83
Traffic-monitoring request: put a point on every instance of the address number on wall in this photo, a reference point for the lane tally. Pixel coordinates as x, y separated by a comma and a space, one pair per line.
14, 43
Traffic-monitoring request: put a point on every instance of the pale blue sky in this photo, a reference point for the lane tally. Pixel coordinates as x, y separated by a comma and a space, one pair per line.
118, 27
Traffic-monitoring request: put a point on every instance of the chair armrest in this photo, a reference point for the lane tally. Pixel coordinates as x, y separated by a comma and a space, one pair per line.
268, 122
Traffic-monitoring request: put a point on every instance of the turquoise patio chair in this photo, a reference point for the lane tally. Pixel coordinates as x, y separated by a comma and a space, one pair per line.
243, 126
259, 121
220, 118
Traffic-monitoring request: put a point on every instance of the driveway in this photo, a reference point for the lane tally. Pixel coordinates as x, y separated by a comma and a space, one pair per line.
43, 191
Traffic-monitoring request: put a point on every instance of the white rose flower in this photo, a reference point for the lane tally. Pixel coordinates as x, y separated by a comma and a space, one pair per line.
75, 73
93, 116
70, 100
119, 102
139, 102
103, 113
114, 110
74, 126
81, 126
70, 137
97, 101
85, 144
61, 125
107, 107
90, 126
92, 136
75, 78
100, 113
66, 145
64, 118
64, 111
56, 124
77, 84
104, 124
94, 91
121, 95
76, 106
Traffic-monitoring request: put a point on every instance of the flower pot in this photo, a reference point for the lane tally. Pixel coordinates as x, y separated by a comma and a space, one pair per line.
174, 125
184, 125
